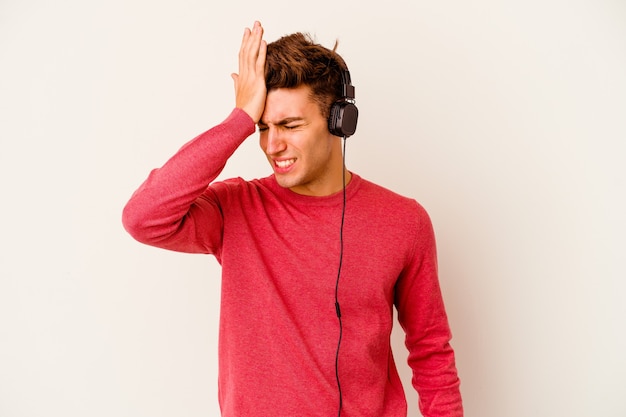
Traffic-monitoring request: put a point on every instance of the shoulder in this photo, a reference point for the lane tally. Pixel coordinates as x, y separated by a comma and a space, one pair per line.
238, 188
388, 200
391, 214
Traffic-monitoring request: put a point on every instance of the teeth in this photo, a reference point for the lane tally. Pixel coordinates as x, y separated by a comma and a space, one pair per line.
285, 164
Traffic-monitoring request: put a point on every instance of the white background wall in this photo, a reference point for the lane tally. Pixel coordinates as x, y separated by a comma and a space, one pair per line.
505, 119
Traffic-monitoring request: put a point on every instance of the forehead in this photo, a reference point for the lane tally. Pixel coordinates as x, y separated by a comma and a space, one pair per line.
286, 103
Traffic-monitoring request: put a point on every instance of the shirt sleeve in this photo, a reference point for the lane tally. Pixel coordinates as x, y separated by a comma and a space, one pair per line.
173, 209
422, 315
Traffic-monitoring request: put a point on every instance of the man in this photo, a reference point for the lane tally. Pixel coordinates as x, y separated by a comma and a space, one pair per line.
313, 257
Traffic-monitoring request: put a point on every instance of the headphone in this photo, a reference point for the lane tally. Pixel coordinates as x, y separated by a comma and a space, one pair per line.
342, 122
343, 112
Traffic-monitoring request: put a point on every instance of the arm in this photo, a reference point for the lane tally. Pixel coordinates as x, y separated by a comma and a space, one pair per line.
422, 315
172, 208
168, 210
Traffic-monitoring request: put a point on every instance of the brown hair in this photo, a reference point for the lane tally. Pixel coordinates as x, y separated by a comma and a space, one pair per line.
296, 59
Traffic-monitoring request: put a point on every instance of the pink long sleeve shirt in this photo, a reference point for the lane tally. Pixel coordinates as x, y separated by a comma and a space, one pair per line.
279, 253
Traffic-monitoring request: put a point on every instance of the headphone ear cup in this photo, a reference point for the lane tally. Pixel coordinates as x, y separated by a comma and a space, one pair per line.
333, 119
343, 118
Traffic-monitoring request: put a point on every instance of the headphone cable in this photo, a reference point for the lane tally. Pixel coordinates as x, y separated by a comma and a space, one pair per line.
338, 310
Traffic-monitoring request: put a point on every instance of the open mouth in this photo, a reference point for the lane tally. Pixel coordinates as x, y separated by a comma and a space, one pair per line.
286, 163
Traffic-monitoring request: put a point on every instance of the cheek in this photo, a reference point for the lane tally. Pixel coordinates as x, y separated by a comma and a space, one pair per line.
262, 141
318, 154
317, 142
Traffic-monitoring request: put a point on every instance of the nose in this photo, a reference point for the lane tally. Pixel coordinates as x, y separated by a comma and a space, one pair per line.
274, 142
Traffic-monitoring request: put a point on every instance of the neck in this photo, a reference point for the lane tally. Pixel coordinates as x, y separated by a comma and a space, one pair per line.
324, 187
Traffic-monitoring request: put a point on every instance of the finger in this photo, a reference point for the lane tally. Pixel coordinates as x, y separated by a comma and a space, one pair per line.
243, 47
252, 43
260, 63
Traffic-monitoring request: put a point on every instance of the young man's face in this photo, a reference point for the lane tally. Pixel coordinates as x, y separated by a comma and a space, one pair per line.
294, 135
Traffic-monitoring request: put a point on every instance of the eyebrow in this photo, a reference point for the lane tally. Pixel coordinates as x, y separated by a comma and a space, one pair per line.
284, 121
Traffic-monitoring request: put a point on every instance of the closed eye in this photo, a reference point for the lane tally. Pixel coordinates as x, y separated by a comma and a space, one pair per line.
290, 123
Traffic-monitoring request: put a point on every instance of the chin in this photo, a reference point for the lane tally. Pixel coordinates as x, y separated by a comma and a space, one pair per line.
285, 182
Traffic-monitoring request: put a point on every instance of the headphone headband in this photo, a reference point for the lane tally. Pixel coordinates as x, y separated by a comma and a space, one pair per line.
347, 89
